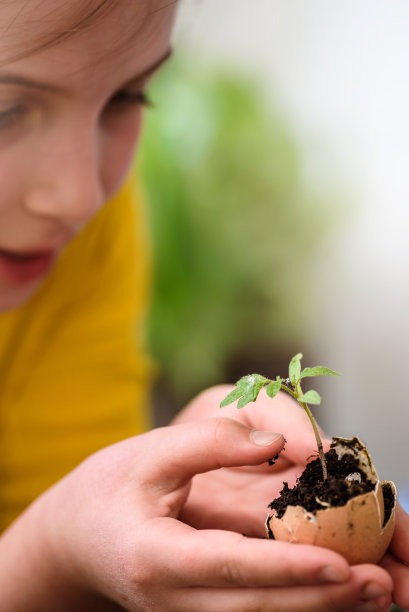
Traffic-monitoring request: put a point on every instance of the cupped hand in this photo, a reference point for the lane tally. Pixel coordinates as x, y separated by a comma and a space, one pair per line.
238, 498
111, 529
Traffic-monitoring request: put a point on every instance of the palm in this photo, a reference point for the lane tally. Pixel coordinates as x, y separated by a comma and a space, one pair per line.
235, 499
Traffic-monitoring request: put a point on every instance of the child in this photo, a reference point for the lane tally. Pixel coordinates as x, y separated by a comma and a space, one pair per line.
125, 529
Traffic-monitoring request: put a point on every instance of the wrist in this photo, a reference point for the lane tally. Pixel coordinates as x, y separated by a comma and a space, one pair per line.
37, 571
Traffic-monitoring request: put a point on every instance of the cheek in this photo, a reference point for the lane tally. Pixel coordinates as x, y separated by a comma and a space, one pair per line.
118, 144
14, 168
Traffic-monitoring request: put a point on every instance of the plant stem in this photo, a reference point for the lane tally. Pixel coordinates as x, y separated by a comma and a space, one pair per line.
318, 439
296, 394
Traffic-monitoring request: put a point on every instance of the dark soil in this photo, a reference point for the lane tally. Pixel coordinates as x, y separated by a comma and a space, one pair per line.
345, 480
388, 500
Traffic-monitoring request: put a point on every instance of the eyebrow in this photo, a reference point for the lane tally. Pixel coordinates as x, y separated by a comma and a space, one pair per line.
151, 69
10, 79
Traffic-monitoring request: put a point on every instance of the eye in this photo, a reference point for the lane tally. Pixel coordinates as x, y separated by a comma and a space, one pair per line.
11, 117
128, 98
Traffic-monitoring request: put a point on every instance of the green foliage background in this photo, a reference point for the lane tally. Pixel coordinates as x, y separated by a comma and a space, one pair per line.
234, 227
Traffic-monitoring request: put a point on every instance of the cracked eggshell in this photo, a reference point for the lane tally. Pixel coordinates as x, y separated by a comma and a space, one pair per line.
358, 530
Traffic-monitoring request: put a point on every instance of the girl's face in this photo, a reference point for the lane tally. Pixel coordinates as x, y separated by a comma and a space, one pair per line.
69, 119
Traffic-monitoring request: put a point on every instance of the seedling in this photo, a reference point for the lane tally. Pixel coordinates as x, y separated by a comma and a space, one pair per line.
350, 511
248, 388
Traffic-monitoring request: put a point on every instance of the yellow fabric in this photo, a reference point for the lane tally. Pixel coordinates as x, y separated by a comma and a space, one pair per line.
73, 376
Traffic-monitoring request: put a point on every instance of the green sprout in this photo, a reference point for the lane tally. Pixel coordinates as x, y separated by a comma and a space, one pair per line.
248, 388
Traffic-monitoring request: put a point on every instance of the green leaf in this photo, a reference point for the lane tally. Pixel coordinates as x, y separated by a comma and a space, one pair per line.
273, 388
294, 370
311, 397
318, 371
232, 397
247, 390
246, 399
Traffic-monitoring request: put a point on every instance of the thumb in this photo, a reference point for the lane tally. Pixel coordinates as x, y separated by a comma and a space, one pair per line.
202, 446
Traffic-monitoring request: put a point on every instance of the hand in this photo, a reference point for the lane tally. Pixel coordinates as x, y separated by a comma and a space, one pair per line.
110, 530
396, 561
237, 498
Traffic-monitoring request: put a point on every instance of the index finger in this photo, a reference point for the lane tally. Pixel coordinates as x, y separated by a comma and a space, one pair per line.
282, 413
173, 455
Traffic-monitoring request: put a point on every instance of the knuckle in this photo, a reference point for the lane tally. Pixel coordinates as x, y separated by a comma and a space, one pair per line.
212, 431
219, 426
140, 577
232, 574
222, 427
214, 436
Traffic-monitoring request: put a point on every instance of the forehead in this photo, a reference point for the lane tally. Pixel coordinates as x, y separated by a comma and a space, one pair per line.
90, 30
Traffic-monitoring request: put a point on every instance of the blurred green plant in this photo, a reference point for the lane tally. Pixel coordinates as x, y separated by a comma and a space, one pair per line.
234, 228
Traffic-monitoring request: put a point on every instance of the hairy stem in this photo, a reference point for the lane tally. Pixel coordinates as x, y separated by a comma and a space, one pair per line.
318, 439
296, 394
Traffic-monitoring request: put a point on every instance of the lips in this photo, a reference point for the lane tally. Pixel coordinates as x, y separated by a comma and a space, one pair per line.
17, 268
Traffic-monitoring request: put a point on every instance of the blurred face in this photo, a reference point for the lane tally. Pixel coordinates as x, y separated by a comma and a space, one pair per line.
70, 115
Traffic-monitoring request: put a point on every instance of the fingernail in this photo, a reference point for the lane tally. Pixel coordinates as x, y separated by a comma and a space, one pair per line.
373, 590
329, 573
264, 438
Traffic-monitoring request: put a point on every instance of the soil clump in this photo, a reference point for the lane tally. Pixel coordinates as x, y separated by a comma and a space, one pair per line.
345, 480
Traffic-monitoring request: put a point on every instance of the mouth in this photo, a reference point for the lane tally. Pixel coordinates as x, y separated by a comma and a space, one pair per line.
19, 267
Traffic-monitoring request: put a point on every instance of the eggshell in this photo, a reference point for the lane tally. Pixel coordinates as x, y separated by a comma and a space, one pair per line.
355, 530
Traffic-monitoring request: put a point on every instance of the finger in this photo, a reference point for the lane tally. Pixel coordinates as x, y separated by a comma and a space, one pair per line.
235, 501
351, 596
298, 599
282, 413
246, 518
400, 576
228, 559
269, 600
400, 541
173, 455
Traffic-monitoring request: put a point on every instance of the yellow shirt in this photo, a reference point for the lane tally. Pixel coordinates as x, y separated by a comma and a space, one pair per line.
73, 375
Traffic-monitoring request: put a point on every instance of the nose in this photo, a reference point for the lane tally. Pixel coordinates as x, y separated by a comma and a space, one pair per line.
66, 182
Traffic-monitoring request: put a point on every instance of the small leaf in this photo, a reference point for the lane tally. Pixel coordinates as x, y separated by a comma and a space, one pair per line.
252, 384
273, 388
294, 370
247, 390
246, 399
232, 397
318, 371
311, 397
